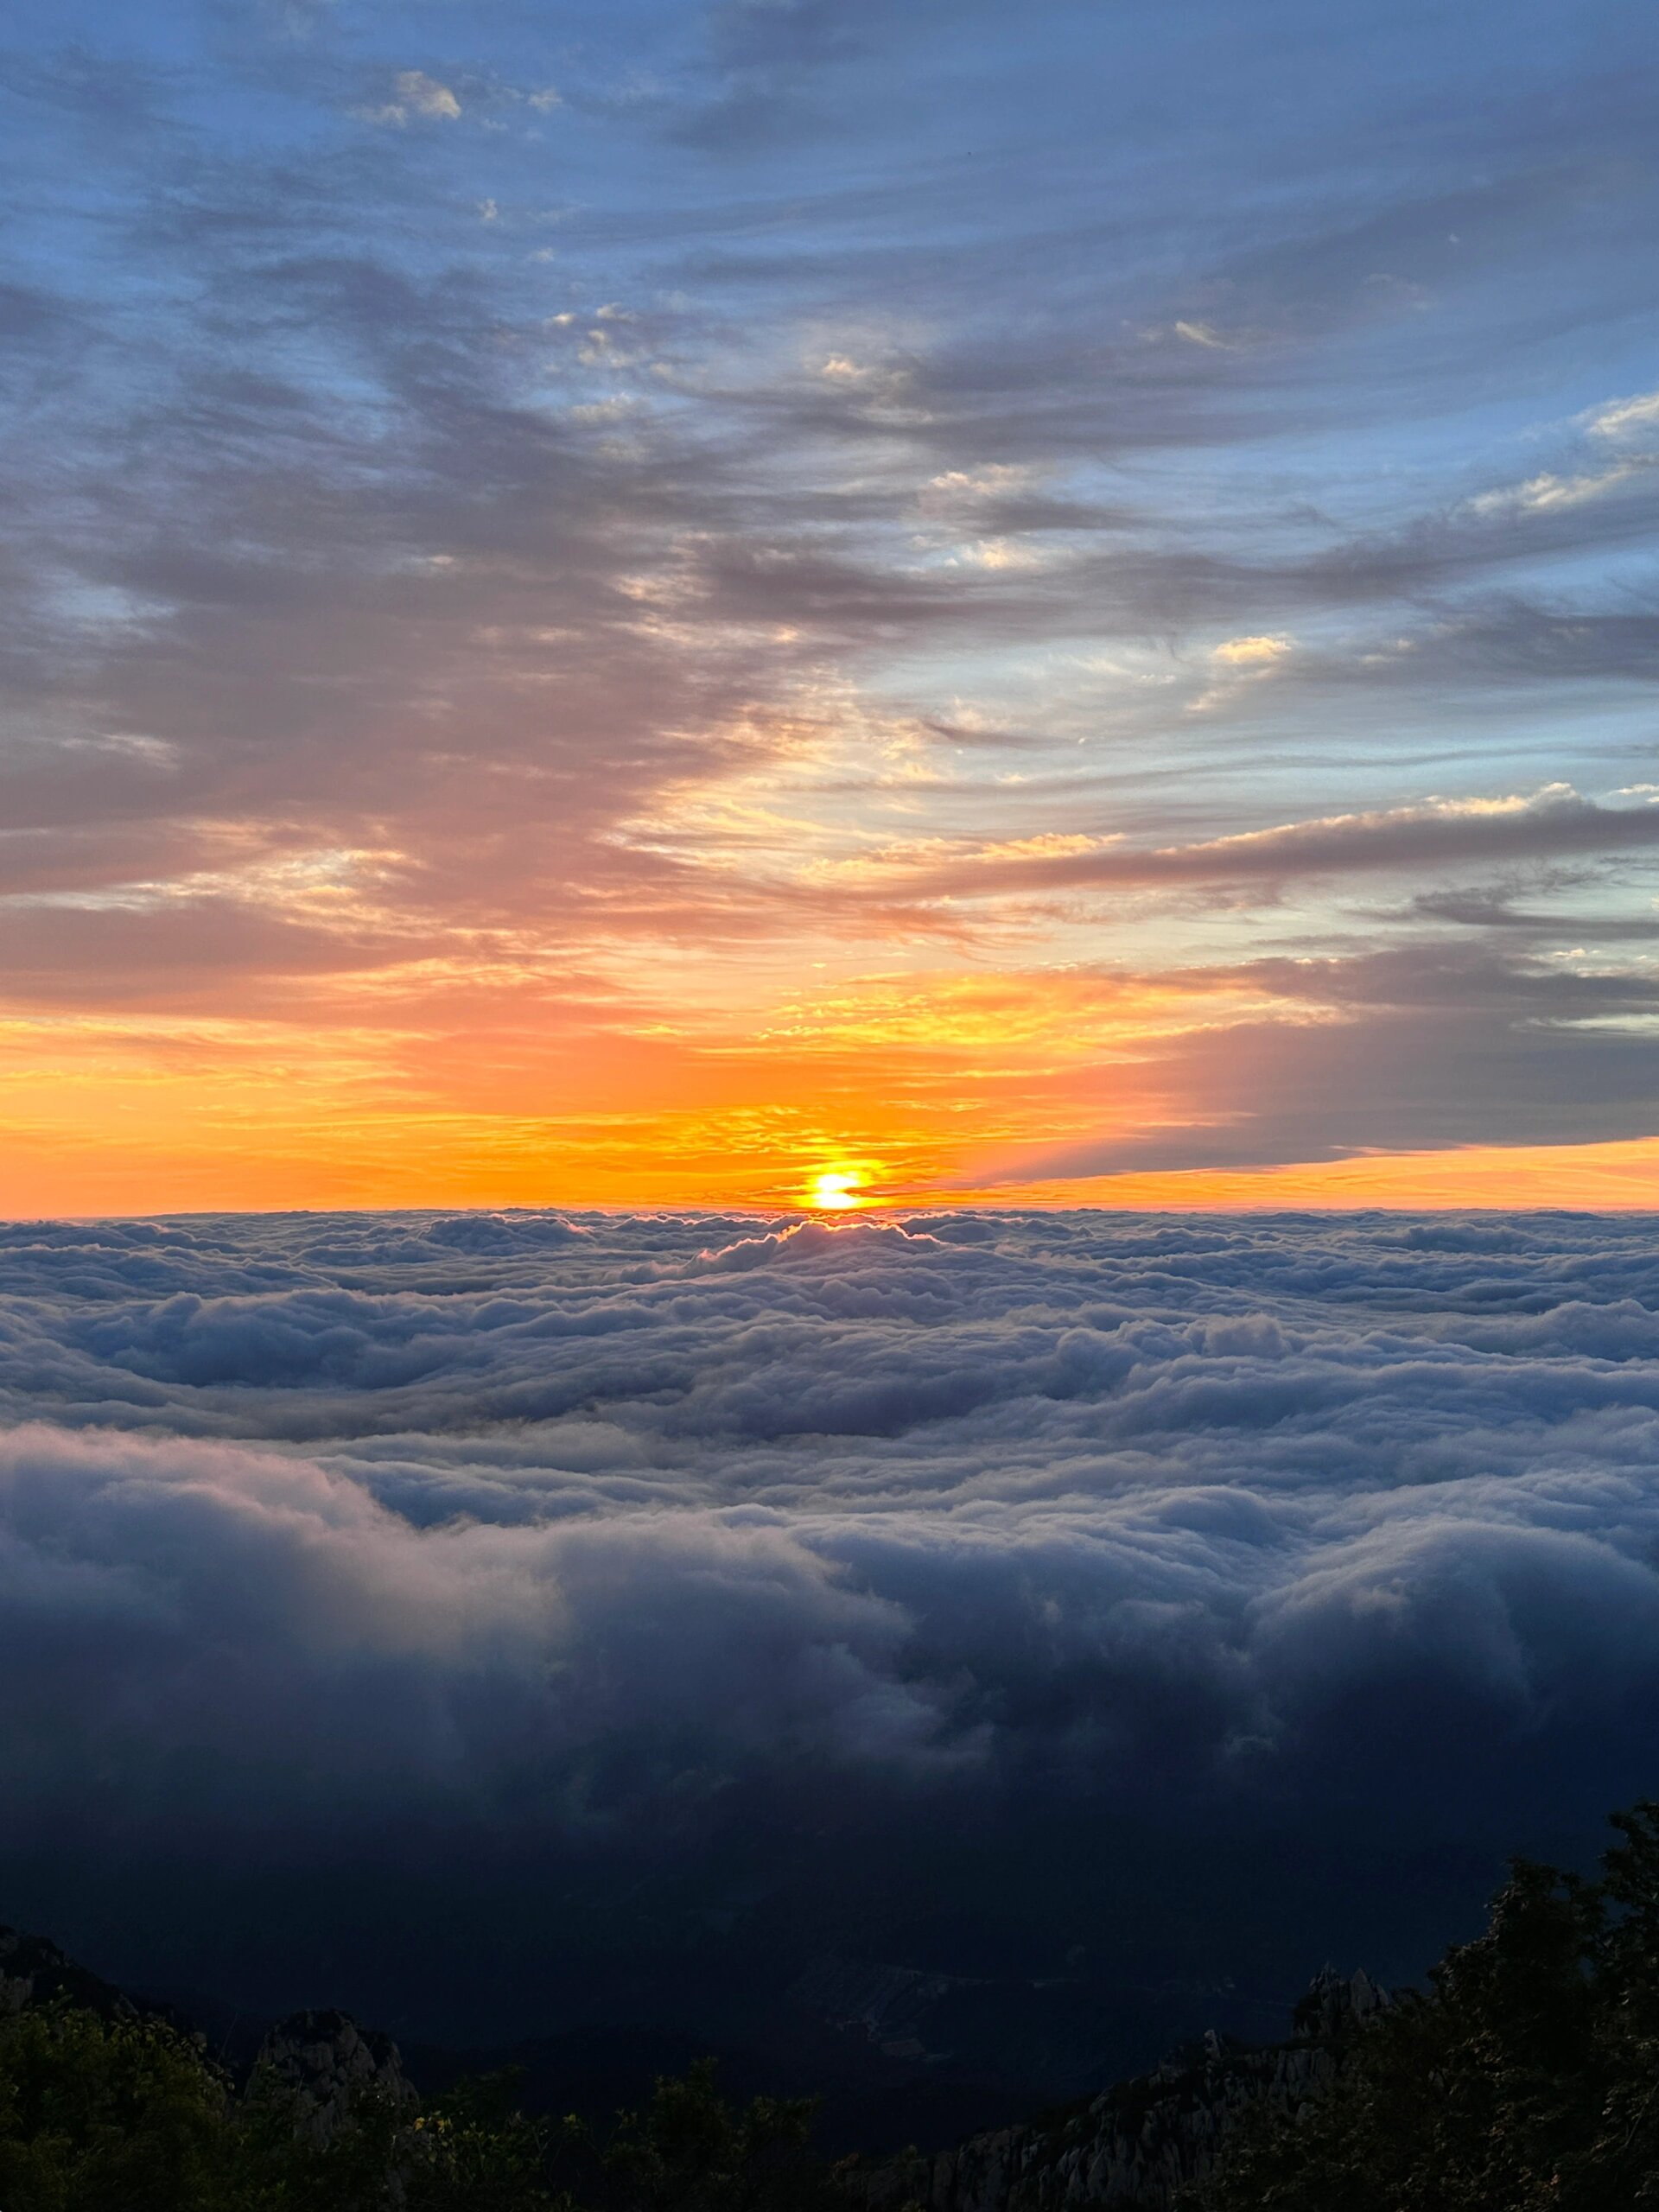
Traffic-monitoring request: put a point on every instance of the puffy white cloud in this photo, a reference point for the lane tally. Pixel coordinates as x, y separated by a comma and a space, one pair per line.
1250, 652
418, 94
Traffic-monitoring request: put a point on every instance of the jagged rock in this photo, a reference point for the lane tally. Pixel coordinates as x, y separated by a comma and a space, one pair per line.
1134, 2145
34, 1971
1332, 2007
323, 2071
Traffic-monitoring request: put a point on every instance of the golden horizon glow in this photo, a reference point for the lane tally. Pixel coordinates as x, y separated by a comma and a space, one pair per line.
111, 1129
915, 1089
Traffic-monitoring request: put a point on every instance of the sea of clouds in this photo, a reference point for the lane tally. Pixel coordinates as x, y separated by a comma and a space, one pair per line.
567, 1540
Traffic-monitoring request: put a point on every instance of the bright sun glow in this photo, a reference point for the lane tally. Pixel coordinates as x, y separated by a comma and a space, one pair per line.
836, 1189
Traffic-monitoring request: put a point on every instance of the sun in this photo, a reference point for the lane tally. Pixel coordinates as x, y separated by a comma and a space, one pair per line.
835, 1190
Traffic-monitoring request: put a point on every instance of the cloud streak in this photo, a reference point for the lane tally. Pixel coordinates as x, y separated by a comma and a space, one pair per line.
1550, 824
761, 514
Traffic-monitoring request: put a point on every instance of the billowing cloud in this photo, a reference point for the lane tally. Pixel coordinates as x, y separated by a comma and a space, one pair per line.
565, 1544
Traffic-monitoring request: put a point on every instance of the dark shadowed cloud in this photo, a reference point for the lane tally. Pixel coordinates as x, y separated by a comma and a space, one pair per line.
569, 1543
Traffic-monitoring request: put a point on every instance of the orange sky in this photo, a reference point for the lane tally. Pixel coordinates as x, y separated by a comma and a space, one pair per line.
910, 1091
556, 656
764, 996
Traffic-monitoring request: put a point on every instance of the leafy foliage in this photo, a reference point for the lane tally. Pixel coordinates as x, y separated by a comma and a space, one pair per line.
101, 2114
481, 2153
688, 2151
1525, 2079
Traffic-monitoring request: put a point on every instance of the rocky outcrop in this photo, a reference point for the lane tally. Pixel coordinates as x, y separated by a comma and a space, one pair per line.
1134, 2145
318, 2070
36, 1972
323, 2074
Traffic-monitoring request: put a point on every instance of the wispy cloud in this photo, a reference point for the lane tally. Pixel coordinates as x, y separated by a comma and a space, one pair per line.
736, 513
1436, 833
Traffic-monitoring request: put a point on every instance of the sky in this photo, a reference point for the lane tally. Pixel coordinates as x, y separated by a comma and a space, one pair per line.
518, 1622
647, 605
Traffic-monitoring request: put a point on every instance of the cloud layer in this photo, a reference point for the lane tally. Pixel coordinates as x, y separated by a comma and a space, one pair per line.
597, 1542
